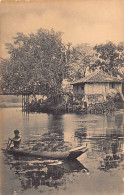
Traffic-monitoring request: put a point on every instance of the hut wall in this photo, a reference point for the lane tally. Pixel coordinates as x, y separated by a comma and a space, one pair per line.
96, 92
102, 88
95, 88
114, 88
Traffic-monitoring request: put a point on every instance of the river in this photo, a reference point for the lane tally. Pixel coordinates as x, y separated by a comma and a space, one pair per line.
100, 171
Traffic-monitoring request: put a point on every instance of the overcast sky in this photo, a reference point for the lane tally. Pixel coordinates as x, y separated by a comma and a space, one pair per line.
92, 21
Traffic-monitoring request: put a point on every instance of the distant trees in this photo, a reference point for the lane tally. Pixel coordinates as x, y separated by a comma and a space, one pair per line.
82, 57
37, 64
110, 58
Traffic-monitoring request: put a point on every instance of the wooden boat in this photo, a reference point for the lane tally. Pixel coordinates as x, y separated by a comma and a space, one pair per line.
58, 155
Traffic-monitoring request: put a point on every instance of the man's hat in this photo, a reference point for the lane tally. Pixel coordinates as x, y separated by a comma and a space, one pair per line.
16, 131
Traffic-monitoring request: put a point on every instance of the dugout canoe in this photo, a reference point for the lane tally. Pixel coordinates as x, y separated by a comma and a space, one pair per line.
58, 155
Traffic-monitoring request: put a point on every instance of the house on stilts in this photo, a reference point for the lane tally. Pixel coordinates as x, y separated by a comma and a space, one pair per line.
97, 88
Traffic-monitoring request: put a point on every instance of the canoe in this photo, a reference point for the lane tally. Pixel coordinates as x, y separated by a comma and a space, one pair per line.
58, 155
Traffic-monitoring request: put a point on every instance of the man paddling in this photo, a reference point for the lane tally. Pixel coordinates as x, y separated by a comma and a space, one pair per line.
15, 140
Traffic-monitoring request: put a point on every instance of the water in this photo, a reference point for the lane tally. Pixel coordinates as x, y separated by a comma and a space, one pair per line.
99, 171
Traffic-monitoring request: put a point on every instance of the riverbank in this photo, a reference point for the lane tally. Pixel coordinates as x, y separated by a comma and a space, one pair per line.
10, 101
97, 108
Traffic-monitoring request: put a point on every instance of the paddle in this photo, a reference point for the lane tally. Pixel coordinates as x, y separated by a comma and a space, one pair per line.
9, 143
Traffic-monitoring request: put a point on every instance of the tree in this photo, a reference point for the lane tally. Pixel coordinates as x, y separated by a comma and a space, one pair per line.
111, 57
81, 58
36, 64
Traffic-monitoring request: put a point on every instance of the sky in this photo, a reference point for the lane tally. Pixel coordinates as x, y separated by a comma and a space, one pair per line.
81, 21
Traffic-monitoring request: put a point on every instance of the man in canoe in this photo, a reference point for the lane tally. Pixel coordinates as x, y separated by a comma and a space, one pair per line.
15, 140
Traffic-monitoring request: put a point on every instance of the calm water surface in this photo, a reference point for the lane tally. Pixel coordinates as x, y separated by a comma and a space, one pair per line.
99, 171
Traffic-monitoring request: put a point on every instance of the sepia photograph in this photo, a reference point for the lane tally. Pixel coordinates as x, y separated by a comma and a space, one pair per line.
62, 97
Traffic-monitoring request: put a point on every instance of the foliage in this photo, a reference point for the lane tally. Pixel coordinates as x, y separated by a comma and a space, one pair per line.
36, 64
40, 62
111, 58
81, 58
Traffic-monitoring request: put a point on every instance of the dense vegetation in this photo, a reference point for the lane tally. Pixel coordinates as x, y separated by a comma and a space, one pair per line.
39, 63
109, 57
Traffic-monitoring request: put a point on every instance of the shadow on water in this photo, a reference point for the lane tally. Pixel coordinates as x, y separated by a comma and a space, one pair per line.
34, 173
114, 157
104, 135
81, 134
106, 144
111, 145
53, 139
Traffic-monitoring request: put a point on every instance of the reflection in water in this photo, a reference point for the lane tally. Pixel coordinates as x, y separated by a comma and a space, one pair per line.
81, 134
53, 139
108, 147
110, 162
114, 158
103, 133
50, 141
35, 173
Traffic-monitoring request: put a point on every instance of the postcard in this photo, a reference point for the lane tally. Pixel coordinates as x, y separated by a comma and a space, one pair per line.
62, 97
